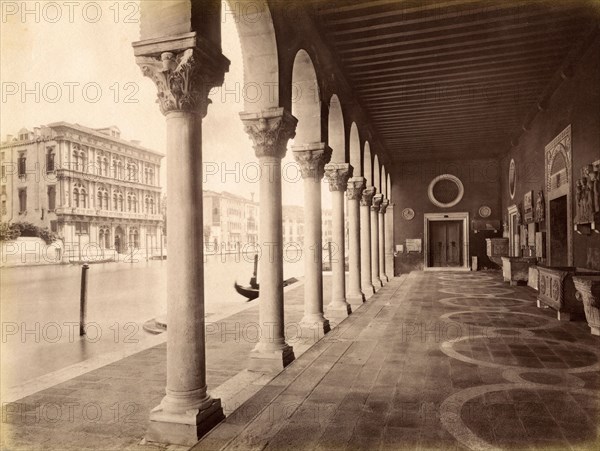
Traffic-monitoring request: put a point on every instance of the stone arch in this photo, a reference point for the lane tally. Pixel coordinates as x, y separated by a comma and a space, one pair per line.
354, 150
368, 171
259, 52
306, 104
335, 127
376, 174
389, 187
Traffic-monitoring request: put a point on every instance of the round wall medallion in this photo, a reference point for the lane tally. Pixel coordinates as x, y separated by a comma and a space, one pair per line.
485, 211
512, 178
408, 214
445, 191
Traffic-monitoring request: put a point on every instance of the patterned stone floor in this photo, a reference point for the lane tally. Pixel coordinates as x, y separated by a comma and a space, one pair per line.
433, 361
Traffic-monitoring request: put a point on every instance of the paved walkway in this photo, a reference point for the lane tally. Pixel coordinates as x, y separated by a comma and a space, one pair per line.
435, 360
107, 408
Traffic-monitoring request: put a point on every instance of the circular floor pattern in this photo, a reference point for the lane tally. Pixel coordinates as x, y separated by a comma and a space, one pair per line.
485, 302
501, 320
472, 282
463, 276
542, 379
525, 354
477, 291
472, 421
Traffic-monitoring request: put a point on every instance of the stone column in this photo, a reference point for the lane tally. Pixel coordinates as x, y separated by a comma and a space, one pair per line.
382, 211
365, 241
356, 185
270, 131
183, 78
389, 241
338, 174
312, 159
377, 199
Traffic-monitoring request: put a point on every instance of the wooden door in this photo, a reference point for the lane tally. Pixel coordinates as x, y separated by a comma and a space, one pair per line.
445, 243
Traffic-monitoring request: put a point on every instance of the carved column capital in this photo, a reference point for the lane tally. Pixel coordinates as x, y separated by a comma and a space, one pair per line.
377, 199
270, 131
355, 188
384, 205
184, 78
337, 175
367, 196
312, 159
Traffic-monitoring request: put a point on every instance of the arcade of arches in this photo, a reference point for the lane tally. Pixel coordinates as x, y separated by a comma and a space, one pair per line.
415, 113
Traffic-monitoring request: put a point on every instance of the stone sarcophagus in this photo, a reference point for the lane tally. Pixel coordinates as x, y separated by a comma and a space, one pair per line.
516, 269
588, 292
556, 290
532, 282
496, 249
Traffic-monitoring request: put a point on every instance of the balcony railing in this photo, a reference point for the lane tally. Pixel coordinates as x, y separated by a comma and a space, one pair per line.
107, 213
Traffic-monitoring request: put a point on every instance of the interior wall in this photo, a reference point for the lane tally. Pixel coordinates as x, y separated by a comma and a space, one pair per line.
410, 182
576, 102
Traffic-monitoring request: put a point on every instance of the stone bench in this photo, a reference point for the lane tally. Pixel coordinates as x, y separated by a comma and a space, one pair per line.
588, 292
557, 291
516, 269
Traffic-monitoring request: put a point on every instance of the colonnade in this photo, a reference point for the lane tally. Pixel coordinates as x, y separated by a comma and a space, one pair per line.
184, 69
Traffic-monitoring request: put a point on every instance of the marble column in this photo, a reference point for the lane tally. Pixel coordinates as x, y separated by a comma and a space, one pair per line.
356, 185
312, 159
183, 78
377, 199
382, 214
270, 131
365, 241
337, 175
389, 241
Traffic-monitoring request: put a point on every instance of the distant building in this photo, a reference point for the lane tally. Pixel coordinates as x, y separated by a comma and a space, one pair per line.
230, 221
293, 224
87, 185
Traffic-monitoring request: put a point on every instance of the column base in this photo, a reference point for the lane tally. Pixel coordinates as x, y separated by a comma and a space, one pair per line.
339, 309
368, 290
183, 428
384, 278
315, 322
356, 299
272, 360
377, 284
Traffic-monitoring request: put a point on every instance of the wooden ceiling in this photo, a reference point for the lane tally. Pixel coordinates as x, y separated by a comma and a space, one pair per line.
451, 79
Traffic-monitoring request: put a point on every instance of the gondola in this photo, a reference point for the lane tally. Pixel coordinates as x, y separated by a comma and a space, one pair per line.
252, 291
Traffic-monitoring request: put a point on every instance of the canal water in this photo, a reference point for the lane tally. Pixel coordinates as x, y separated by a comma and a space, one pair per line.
40, 308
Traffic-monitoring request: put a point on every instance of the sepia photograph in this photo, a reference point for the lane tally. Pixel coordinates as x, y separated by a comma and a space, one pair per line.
300, 225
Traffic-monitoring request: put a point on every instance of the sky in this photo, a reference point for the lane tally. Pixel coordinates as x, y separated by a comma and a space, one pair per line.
74, 62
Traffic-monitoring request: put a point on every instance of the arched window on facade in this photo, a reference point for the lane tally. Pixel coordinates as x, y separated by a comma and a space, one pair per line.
130, 172
76, 197
134, 238
76, 165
